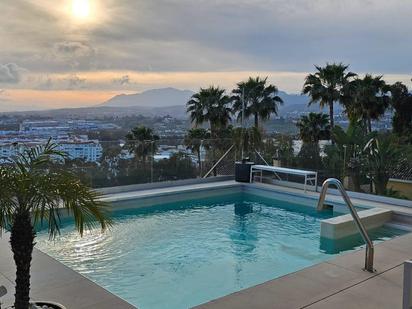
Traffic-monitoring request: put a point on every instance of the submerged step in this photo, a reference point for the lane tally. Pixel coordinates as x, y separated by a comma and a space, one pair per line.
344, 226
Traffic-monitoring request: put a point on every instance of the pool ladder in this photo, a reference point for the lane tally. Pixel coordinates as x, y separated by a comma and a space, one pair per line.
355, 216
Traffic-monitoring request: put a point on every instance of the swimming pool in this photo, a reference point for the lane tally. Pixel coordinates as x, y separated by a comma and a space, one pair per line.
182, 254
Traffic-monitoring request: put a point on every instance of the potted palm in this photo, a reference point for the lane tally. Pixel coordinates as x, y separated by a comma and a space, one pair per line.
32, 193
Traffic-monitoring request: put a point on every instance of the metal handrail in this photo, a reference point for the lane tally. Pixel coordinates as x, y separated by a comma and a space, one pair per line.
217, 163
355, 216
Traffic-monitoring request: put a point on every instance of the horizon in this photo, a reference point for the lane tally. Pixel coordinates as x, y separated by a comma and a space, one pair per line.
82, 53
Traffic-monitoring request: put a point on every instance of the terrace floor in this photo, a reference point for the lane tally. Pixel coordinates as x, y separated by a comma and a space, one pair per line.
52, 281
338, 283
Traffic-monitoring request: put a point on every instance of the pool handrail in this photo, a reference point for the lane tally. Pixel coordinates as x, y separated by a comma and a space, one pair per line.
362, 230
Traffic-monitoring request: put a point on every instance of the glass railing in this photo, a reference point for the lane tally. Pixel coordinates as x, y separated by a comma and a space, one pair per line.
117, 163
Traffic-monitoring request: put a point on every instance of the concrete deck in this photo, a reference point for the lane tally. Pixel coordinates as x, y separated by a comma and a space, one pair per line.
52, 281
338, 283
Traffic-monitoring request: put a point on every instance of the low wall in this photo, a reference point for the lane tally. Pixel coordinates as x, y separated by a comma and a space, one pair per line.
163, 184
404, 187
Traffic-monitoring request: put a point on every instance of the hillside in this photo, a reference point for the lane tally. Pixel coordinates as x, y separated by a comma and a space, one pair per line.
163, 97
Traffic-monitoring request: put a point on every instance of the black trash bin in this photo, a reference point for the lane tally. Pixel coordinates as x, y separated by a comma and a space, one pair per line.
242, 171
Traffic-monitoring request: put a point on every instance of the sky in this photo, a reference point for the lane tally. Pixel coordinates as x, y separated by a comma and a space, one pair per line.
72, 53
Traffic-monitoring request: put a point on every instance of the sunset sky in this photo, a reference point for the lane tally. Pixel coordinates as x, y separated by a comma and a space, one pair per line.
82, 52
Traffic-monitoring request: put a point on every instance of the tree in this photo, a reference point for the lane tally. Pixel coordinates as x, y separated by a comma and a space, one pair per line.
401, 102
210, 105
247, 140
259, 99
284, 150
30, 194
178, 166
326, 86
314, 127
195, 140
141, 141
366, 99
349, 145
383, 157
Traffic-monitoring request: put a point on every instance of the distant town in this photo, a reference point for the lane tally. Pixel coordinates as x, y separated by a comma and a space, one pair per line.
85, 138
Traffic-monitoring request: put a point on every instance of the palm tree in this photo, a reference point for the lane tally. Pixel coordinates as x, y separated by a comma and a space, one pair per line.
259, 100
349, 145
314, 127
141, 141
31, 193
326, 86
401, 102
247, 140
383, 157
368, 99
195, 140
210, 105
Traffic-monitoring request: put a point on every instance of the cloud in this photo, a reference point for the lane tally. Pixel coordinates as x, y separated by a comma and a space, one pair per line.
207, 36
74, 54
75, 82
45, 84
10, 73
73, 49
124, 80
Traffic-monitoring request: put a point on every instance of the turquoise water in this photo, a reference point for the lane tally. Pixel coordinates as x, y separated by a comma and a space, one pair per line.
183, 254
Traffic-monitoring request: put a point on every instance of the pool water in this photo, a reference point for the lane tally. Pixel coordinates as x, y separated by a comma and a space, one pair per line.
183, 254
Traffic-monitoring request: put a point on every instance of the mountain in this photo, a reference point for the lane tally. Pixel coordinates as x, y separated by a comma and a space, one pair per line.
154, 98
165, 99
297, 103
157, 102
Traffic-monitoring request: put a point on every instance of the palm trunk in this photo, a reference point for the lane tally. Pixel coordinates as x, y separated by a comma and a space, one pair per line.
332, 123
256, 121
22, 243
199, 162
369, 125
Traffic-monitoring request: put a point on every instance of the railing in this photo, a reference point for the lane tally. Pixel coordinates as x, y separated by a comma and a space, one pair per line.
218, 162
355, 216
407, 285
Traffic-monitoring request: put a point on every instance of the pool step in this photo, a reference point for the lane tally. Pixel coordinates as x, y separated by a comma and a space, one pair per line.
344, 226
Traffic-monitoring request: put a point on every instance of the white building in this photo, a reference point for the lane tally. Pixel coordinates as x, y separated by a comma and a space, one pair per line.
87, 150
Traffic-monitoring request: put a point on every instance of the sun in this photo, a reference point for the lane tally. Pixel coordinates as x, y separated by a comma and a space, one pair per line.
81, 8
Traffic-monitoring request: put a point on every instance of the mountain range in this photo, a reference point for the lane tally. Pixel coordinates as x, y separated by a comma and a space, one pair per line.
174, 101
166, 101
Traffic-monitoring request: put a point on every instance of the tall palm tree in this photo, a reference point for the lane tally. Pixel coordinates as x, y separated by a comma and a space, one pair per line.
31, 193
210, 105
326, 86
369, 99
314, 127
195, 140
141, 141
259, 99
